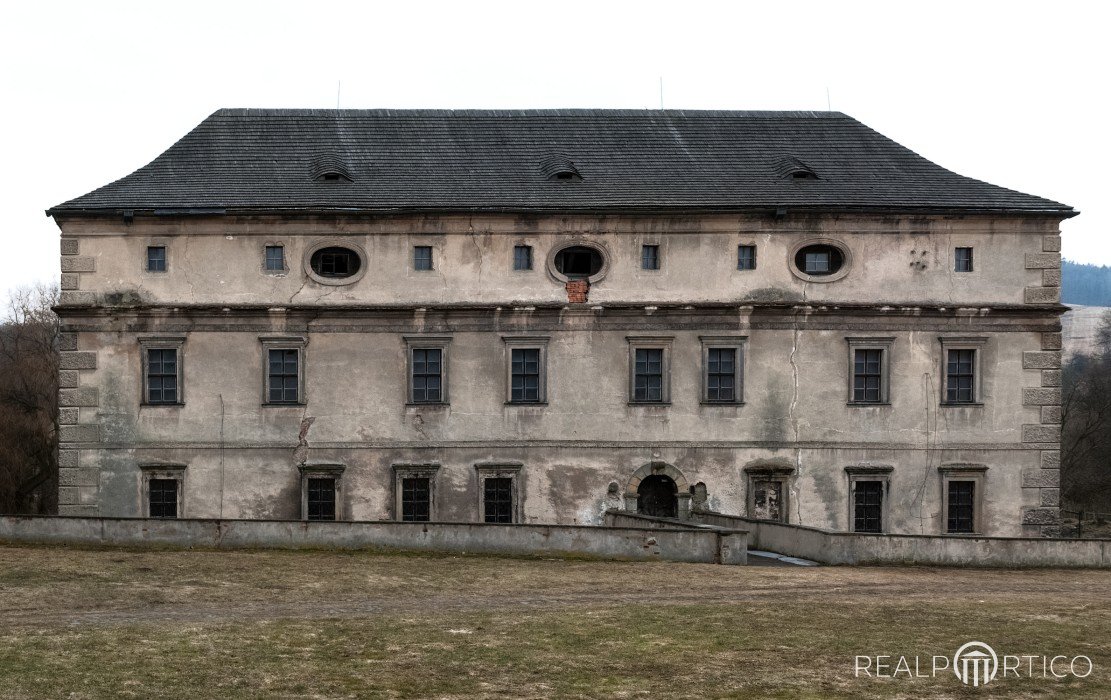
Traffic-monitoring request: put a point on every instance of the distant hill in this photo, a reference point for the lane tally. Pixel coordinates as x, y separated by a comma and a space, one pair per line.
1089, 285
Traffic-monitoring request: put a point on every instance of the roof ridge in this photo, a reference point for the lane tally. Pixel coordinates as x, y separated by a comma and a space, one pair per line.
502, 113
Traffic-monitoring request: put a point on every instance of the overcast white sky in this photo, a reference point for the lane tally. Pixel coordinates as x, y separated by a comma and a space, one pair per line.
1012, 93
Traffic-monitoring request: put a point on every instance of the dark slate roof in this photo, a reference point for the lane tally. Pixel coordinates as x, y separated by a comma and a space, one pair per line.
478, 160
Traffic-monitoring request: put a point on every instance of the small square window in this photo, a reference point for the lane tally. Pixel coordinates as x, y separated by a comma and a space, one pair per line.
817, 263
156, 258
422, 257
746, 257
275, 258
522, 257
163, 498
650, 257
963, 260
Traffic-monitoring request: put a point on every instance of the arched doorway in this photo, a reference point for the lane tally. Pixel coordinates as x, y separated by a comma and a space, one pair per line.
658, 495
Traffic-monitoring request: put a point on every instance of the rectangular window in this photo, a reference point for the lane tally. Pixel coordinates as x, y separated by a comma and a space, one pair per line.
427, 379
817, 263
960, 376
422, 257
525, 375
650, 257
868, 506
156, 258
648, 377
522, 257
163, 498
162, 375
416, 499
721, 375
767, 500
275, 258
283, 378
963, 260
868, 376
962, 506
497, 499
746, 257
321, 500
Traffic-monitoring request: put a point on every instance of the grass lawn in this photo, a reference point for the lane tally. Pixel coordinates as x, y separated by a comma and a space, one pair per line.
80, 623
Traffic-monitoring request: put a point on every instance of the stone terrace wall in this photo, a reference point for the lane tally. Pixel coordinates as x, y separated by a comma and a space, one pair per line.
685, 544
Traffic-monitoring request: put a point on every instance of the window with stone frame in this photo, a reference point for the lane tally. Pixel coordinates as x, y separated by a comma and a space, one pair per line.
283, 360
163, 490
962, 379
649, 369
869, 370
769, 492
162, 370
499, 499
868, 489
320, 491
414, 491
723, 369
962, 496
526, 369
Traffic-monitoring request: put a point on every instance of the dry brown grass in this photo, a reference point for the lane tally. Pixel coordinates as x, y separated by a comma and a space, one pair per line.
115, 623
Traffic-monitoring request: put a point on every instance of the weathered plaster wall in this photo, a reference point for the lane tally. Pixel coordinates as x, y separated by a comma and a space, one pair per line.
896, 260
241, 454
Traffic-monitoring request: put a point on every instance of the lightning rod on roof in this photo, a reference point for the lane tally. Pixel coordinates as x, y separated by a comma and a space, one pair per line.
661, 92
338, 84
828, 107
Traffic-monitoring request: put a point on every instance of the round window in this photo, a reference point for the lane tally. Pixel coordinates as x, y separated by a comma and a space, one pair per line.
335, 262
819, 260
578, 262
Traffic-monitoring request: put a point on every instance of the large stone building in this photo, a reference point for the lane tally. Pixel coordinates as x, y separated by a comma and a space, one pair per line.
536, 316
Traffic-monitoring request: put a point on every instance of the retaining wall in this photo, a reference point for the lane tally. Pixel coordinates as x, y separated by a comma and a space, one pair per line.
832, 547
700, 545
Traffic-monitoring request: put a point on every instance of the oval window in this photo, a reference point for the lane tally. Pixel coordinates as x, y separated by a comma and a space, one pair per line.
335, 262
578, 262
819, 260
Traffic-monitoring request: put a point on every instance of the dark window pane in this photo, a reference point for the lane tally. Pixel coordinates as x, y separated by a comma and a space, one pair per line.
322, 499
648, 375
961, 506
275, 258
522, 257
427, 375
156, 258
963, 260
282, 380
960, 378
163, 498
650, 257
422, 257
868, 506
867, 376
721, 374
497, 499
335, 262
416, 499
525, 375
746, 257
578, 262
161, 375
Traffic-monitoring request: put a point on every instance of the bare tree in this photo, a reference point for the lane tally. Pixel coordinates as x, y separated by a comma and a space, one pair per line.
1086, 426
29, 337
